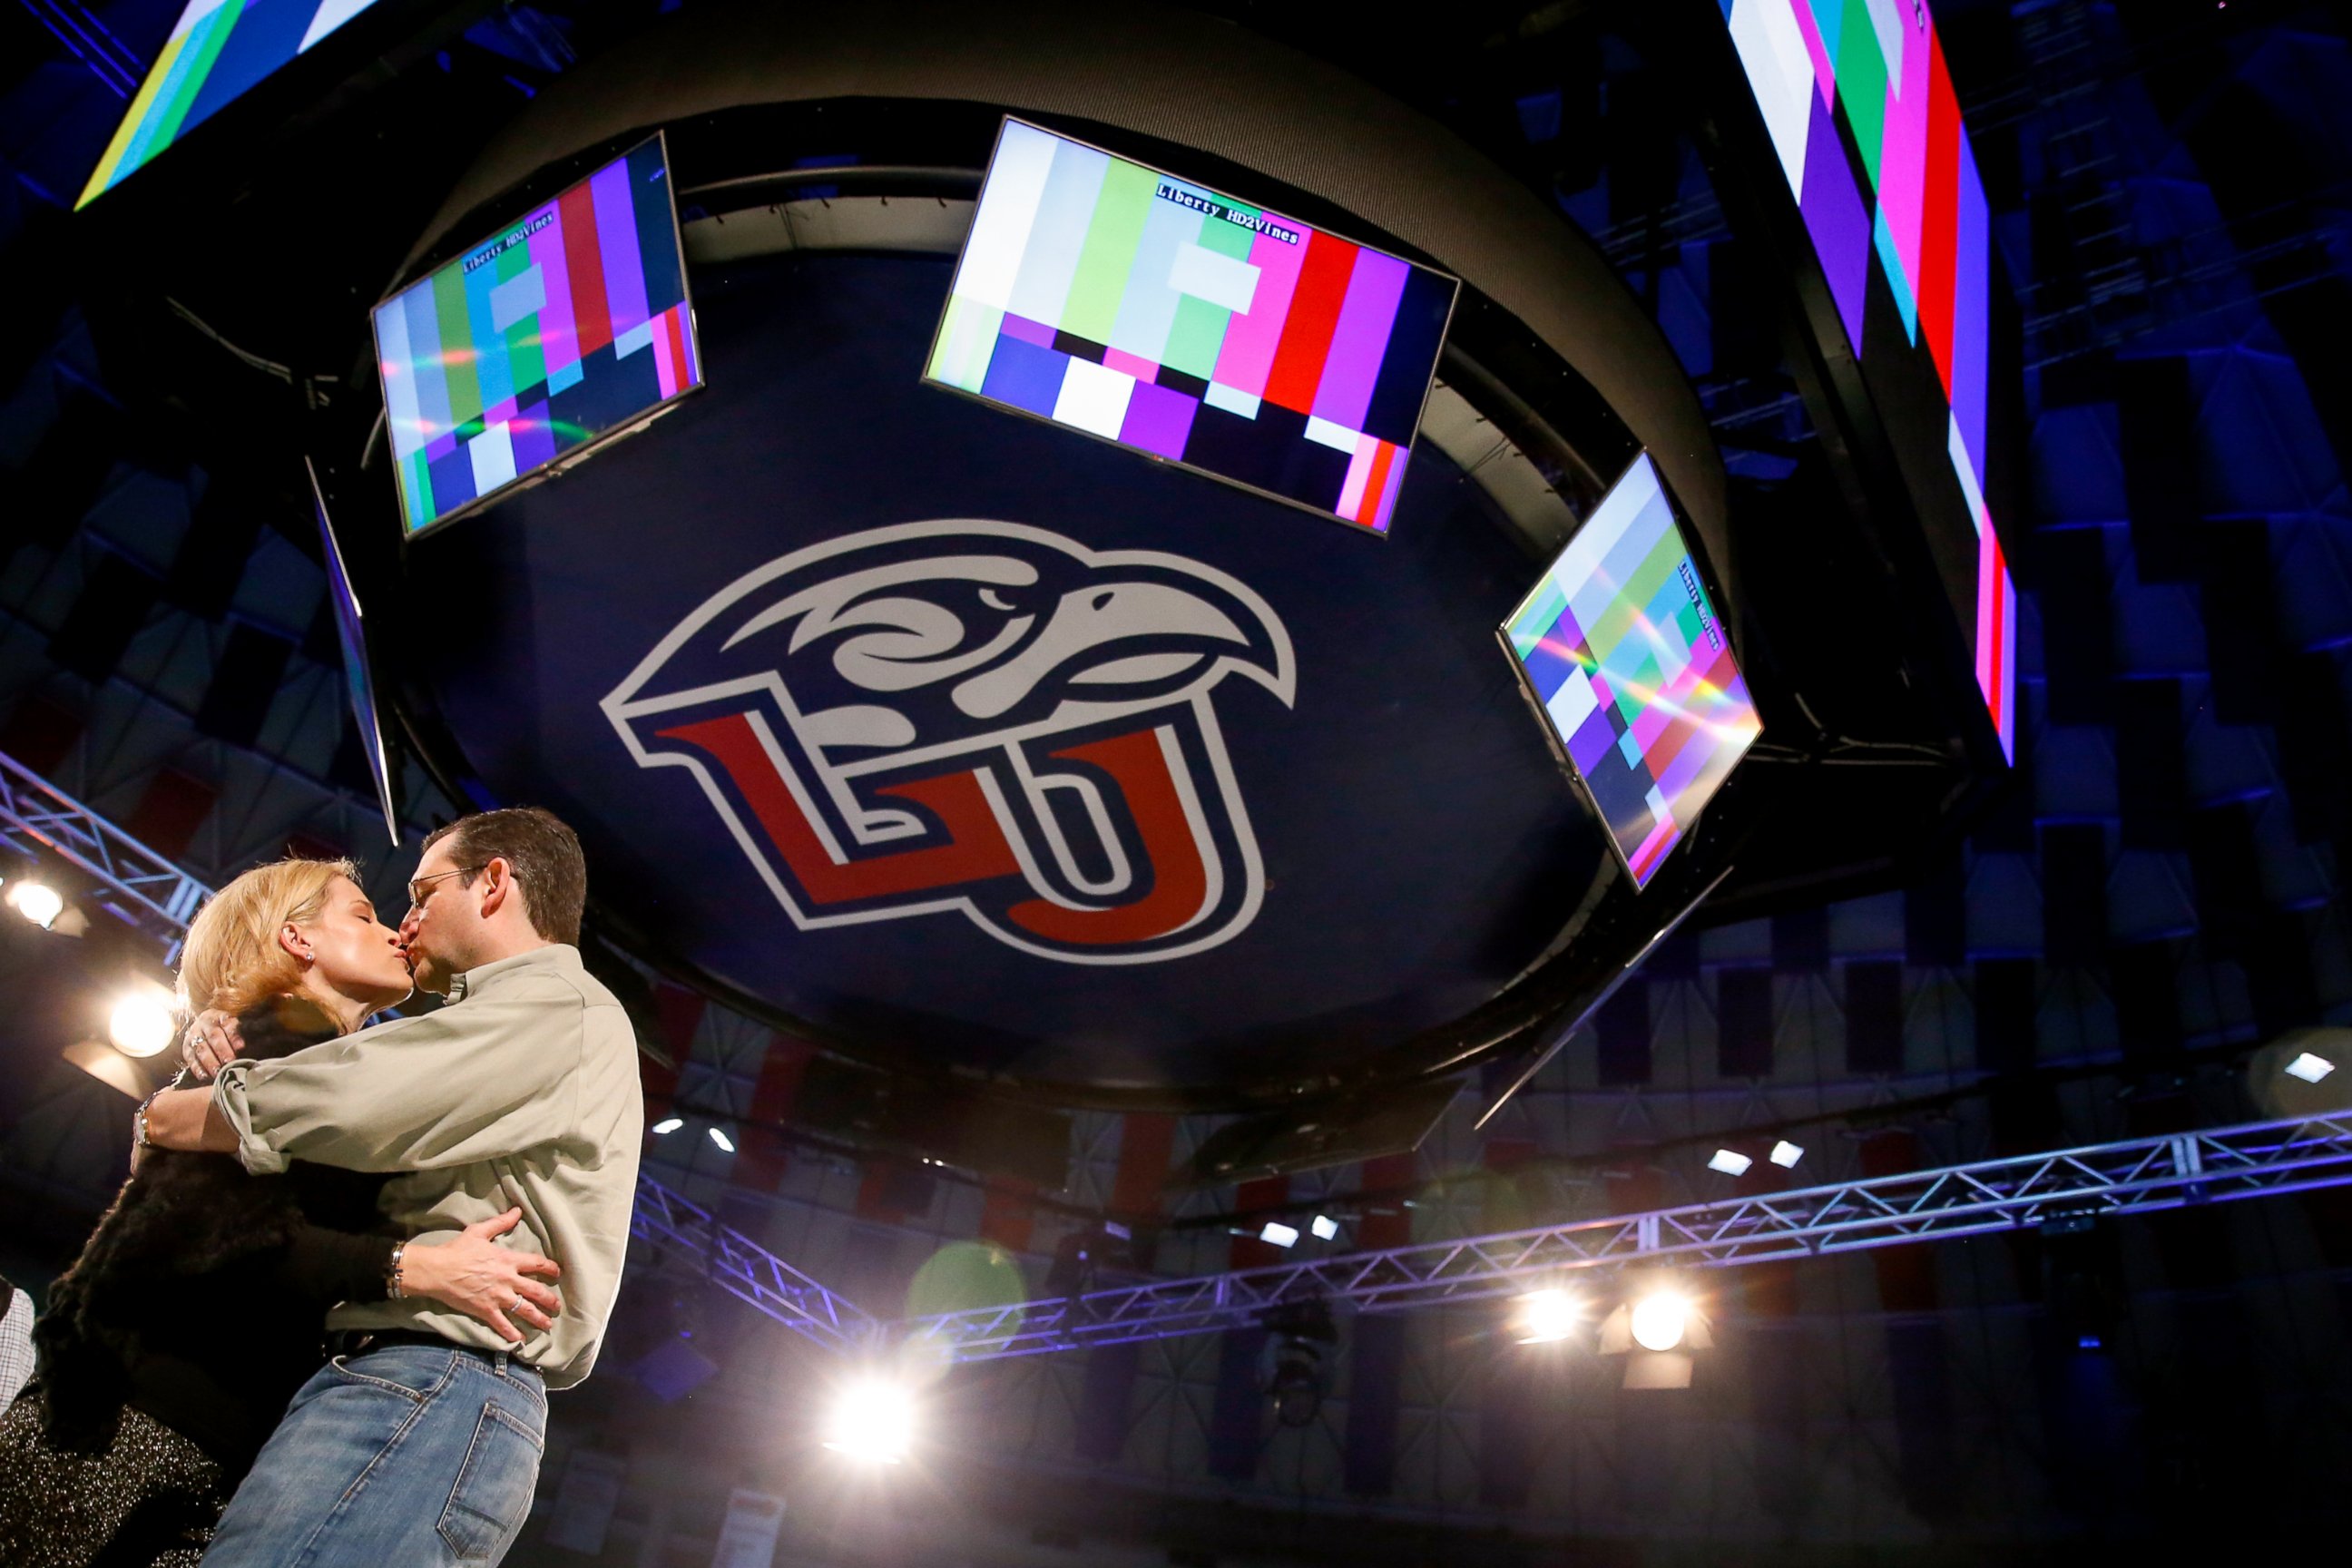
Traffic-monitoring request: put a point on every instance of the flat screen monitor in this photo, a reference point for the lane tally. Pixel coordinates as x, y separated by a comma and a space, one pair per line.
567, 327
1860, 110
357, 682
219, 50
1153, 311
1620, 646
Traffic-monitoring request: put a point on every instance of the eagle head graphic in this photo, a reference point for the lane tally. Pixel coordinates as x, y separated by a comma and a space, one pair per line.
977, 698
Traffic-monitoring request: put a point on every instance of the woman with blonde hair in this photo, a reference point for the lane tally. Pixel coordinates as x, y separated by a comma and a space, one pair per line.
171, 1346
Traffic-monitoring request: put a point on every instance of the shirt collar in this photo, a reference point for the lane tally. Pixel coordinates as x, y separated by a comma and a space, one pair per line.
555, 955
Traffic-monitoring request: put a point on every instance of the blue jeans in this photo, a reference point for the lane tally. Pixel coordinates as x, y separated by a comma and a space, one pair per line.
408, 1454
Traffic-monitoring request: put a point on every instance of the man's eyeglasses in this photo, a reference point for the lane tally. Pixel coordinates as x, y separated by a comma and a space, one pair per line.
418, 891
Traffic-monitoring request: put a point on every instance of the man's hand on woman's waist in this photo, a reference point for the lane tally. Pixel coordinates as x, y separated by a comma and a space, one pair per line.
471, 1273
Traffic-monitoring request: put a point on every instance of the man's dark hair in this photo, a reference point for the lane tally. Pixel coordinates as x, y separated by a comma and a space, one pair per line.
543, 854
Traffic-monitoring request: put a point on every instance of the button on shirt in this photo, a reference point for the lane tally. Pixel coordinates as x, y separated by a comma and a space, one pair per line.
522, 1092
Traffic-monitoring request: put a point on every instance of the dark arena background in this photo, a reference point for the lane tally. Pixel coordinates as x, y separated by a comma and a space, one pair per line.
1503, 783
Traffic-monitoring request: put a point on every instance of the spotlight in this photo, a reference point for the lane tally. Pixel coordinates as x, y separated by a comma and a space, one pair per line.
1547, 1317
1279, 1234
1660, 1321
1729, 1163
2309, 1068
726, 1144
36, 901
1295, 1371
141, 1023
669, 1125
1658, 1330
1325, 1227
1785, 1155
872, 1420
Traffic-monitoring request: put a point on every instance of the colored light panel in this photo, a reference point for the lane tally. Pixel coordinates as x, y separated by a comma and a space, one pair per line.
217, 52
1621, 647
1144, 310
566, 328
1896, 196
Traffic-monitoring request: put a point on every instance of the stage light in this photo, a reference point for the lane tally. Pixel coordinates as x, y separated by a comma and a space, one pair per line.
1785, 1155
1729, 1163
1325, 1227
141, 1023
726, 1144
669, 1125
1547, 1317
1295, 1361
2309, 1068
872, 1420
36, 901
1660, 1321
1279, 1234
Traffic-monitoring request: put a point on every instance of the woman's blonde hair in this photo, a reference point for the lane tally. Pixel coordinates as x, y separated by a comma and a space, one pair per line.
232, 960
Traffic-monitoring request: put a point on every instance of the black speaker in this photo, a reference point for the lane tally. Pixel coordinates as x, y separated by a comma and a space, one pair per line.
1743, 1017
1801, 940
2241, 645
1874, 1017
2151, 764
2142, 977
1621, 1032
2156, 420
116, 598
2074, 892
2315, 745
61, 480
2006, 1008
2278, 974
210, 562
245, 683
1935, 916
2077, 624
2227, 870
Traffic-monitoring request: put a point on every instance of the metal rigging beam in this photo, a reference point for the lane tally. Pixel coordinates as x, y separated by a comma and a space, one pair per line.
750, 1272
2140, 1175
131, 882
148, 892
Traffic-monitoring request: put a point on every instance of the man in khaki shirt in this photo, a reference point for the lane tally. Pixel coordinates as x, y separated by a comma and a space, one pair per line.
521, 1093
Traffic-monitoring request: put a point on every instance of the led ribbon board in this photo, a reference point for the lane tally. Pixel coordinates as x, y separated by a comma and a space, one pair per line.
565, 328
217, 50
1137, 307
1621, 647
358, 683
1897, 195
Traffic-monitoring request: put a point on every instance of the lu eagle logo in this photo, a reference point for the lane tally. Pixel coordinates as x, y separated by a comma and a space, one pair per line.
975, 717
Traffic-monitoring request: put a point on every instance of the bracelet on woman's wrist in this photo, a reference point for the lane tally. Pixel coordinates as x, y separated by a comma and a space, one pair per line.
392, 1282
139, 1139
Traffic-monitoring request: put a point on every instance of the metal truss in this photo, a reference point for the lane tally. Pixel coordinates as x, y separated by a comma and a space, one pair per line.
2138, 1177
745, 1269
145, 891
130, 882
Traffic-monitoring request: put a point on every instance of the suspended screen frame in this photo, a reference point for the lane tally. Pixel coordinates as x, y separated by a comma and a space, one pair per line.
1707, 596
931, 356
359, 679
628, 426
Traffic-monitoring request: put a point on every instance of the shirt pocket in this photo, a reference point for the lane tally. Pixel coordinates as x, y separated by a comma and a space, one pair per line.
488, 1506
